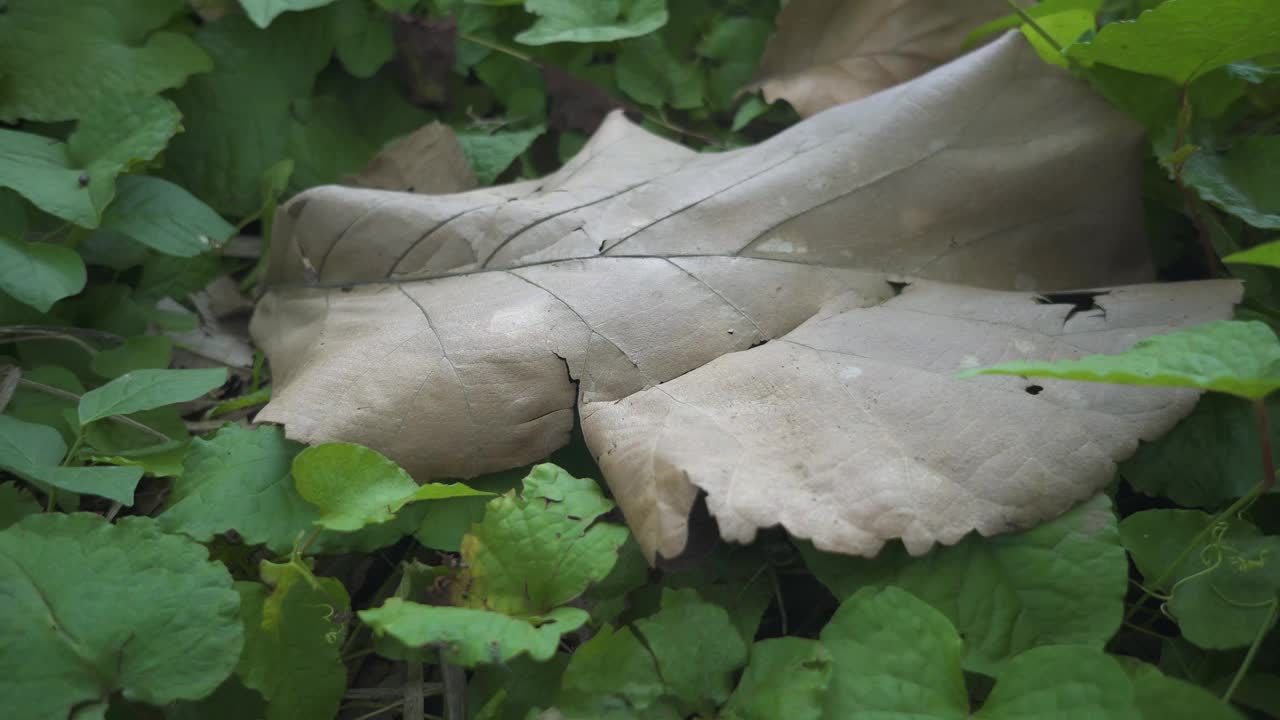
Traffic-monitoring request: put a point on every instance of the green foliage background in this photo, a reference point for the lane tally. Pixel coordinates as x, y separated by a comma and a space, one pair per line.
153, 564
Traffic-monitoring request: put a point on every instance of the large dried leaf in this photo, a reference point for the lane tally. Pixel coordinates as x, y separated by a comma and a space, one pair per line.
456, 333
828, 52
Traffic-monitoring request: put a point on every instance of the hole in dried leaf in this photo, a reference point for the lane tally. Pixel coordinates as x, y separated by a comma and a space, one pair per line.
1084, 301
898, 287
1034, 389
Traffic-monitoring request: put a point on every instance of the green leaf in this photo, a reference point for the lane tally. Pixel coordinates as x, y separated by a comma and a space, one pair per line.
649, 73
354, 486
160, 460
1228, 356
1063, 681
1060, 583
533, 553
1223, 589
35, 453
39, 169
1243, 181
1160, 697
62, 60
471, 637
590, 22
446, 522
98, 608
1266, 254
696, 647
15, 504
1064, 27
612, 669
238, 117
893, 655
490, 154
239, 480
362, 37
787, 678
145, 352
292, 643
1209, 459
39, 274
524, 685
147, 389
1184, 39
262, 12
164, 217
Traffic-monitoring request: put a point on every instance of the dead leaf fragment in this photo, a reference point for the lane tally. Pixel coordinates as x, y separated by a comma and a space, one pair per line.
829, 52
429, 160
458, 333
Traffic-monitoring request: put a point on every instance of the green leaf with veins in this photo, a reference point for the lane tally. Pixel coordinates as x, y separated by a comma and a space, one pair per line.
1184, 39
696, 647
98, 609
1244, 181
159, 460
15, 504
293, 637
1160, 697
1240, 358
1061, 583
144, 352
787, 678
491, 153
61, 61
1267, 254
592, 22
164, 217
1223, 590
362, 37
470, 637
534, 552
39, 274
147, 389
649, 73
262, 12
612, 669
354, 486
35, 452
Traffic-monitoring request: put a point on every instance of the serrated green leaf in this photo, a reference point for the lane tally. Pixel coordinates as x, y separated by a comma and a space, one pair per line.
1060, 681
1060, 583
39, 274
15, 504
35, 452
470, 637
445, 522
787, 678
1229, 356
145, 352
1266, 254
98, 608
164, 217
354, 486
1244, 181
1184, 39
1160, 697
696, 647
262, 12
590, 22
293, 642
533, 553
490, 154
1224, 587
525, 685
61, 60
147, 389
611, 670
362, 37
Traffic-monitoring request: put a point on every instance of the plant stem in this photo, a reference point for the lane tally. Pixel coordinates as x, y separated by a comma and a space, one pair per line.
1022, 14
496, 47
1264, 441
455, 691
314, 534
379, 711
1253, 652
1189, 195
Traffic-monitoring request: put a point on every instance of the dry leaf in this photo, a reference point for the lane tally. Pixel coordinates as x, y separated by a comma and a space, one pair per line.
456, 333
428, 160
829, 52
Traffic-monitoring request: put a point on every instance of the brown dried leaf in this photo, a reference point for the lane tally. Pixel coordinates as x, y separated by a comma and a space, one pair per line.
457, 333
829, 52
429, 160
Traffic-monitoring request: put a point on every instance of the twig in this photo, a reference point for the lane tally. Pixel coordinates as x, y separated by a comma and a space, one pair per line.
455, 691
414, 699
381, 710
428, 689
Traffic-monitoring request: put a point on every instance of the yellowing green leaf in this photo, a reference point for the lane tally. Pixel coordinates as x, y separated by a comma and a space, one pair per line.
39, 274
591, 22
96, 609
147, 389
1236, 357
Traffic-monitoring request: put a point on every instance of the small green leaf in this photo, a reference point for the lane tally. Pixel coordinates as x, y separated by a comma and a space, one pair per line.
1160, 697
533, 553
1244, 181
650, 74
362, 37
145, 352
1184, 39
354, 486
147, 389
1266, 254
161, 460
470, 637
1064, 27
591, 22
490, 154
787, 678
39, 274
612, 669
62, 61
35, 452
1060, 583
98, 609
292, 643
15, 504
262, 12
1228, 356
696, 647
1060, 681
164, 217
